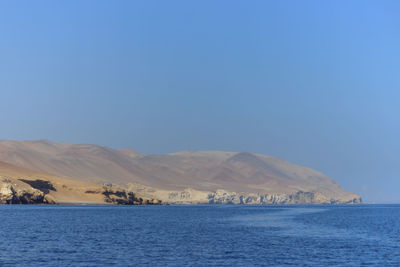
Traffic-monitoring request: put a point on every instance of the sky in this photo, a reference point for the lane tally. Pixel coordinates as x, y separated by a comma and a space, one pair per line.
316, 83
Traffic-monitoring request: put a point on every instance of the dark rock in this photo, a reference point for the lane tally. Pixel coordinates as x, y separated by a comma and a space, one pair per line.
123, 197
44, 186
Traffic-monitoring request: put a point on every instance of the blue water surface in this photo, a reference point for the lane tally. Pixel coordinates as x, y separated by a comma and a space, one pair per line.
200, 235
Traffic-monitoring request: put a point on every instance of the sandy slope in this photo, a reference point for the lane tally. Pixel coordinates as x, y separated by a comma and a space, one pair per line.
205, 171
56, 189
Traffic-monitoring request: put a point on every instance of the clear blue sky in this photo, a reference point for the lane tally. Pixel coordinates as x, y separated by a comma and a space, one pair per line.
313, 82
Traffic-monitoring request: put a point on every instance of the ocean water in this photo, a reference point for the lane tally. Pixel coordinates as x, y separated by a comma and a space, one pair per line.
200, 235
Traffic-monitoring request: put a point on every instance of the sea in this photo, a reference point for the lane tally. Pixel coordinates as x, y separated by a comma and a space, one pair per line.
200, 235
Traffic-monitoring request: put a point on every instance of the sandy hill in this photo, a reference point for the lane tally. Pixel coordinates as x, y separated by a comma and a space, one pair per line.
169, 176
24, 186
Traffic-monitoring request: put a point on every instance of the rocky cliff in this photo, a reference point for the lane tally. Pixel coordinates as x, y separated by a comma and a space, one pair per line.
24, 191
300, 197
220, 196
23, 186
17, 193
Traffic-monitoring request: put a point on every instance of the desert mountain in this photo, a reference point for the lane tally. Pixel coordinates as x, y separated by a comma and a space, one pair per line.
188, 176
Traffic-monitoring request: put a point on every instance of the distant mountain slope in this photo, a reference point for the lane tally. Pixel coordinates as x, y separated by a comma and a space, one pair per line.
87, 162
205, 171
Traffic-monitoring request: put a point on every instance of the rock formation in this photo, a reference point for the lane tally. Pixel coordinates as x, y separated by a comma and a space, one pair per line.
23, 186
19, 194
220, 196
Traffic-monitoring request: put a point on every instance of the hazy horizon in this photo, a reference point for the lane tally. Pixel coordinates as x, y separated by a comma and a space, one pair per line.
314, 83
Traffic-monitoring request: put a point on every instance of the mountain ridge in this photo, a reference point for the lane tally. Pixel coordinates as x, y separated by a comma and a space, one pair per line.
238, 173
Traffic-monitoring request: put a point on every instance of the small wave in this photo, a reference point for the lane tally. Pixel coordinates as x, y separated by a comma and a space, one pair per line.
284, 223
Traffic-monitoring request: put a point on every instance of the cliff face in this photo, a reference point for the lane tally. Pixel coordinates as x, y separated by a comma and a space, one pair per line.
192, 196
24, 191
224, 197
15, 194
22, 186
243, 177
